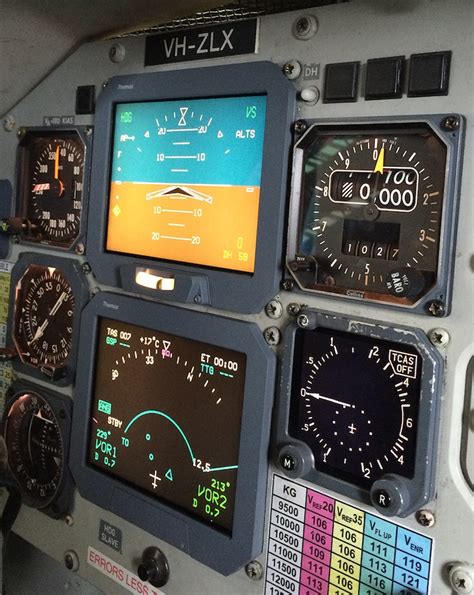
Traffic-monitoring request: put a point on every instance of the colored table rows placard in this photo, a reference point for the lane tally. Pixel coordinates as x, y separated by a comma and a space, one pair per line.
322, 546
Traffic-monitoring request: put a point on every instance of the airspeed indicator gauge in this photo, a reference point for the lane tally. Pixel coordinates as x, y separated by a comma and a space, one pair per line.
360, 415
374, 208
52, 180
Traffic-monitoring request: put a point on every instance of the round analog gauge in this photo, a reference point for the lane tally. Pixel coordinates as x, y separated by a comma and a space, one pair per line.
52, 179
355, 403
44, 310
35, 448
371, 208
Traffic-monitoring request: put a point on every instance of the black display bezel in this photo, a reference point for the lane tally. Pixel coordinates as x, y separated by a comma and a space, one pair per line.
222, 288
440, 292
420, 488
203, 542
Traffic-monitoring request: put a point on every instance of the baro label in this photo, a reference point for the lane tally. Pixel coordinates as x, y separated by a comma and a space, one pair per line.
322, 546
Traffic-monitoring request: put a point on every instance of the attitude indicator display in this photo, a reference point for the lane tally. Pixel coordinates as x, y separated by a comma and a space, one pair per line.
355, 402
166, 417
185, 180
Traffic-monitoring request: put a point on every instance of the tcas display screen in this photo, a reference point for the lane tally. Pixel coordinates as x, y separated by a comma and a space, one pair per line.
355, 402
166, 418
185, 180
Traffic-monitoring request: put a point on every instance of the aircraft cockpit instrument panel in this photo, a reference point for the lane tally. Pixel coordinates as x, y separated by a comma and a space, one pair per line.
194, 172
237, 299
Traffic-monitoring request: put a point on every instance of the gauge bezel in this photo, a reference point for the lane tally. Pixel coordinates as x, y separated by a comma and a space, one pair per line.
61, 503
221, 288
76, 279
22, 176
422, 485
206, 543
441, 291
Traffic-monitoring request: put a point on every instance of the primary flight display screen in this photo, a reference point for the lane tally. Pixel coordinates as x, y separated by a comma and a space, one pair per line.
185, 180
166, 417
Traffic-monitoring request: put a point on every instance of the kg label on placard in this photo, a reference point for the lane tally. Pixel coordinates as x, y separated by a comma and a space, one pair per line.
322, 546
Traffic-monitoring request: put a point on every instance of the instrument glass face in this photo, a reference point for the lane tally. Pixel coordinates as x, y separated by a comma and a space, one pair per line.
178, 438
43, 317
371, 210
355, 402
51, 186
185, 180
35, 448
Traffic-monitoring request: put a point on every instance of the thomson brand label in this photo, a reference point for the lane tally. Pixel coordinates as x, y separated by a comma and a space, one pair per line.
215, 41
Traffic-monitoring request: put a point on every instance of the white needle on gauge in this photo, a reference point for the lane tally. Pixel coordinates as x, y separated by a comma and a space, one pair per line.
40, 330
318, 396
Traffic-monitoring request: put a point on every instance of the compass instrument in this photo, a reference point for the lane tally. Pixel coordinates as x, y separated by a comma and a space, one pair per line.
372, 207
360, 415
47, 294
50, 187
36, 431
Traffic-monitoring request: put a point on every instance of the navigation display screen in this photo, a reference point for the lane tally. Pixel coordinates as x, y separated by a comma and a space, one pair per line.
166, 417
185, 180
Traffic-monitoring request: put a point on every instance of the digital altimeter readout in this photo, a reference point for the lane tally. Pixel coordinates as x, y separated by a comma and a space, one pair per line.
166, 417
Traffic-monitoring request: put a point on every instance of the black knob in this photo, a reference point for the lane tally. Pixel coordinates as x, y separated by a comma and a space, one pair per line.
154, 567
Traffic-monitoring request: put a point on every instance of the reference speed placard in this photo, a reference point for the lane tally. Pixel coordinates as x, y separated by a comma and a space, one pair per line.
322, 546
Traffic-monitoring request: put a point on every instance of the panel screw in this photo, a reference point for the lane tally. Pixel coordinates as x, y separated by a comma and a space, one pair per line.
293, 309
9, 123
305, 27
86, 268
71, 560
272, 335
436, 308
21, 132
79, 248
450, 123
288, 284
69, 520
439, 337
88, 131
197, 299
302, 321
299, 126
425, 518
274, 309
254, 570
292, 69
461, 577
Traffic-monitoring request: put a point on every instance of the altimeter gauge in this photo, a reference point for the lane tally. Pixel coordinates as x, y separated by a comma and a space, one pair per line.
375, 205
